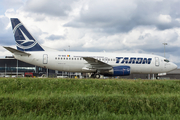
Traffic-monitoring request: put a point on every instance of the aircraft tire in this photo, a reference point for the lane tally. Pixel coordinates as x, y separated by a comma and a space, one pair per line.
97, 76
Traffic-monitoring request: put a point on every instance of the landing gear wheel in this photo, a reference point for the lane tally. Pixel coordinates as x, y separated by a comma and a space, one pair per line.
94, 75
97, 76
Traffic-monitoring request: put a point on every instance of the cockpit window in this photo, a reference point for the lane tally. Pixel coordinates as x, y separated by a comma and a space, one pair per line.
166, 60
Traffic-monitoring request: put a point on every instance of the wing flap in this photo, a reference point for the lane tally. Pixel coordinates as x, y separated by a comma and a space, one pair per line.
17, 52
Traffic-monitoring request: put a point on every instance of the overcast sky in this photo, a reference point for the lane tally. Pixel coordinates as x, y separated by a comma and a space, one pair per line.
138, 26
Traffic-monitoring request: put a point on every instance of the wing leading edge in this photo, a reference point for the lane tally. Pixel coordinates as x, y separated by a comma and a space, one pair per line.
97, 64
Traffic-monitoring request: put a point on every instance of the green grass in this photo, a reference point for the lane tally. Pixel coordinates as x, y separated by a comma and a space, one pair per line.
52, 98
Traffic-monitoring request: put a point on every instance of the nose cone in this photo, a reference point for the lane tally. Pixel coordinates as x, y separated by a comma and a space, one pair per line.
173, 66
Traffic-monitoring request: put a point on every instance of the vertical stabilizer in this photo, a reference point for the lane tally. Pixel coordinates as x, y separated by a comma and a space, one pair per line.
24, 40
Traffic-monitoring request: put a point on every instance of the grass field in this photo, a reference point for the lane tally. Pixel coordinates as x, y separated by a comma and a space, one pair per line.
52, 98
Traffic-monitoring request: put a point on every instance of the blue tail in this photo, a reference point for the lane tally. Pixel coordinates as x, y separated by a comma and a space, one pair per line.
24, 40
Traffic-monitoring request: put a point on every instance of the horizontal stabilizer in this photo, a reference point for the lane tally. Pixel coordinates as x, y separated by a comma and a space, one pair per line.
17, 52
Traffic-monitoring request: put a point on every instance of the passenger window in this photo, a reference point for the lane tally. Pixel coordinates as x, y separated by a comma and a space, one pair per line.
55, 57
74, 58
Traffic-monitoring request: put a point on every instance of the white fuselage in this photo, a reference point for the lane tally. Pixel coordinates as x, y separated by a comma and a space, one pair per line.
73, 61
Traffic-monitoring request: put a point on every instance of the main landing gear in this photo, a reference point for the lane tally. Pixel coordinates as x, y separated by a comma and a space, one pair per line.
95, 75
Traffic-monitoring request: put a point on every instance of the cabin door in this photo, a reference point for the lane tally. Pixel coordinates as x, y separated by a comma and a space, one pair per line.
157, 61
45, 59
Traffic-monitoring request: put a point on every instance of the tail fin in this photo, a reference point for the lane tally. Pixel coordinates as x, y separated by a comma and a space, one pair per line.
24, 40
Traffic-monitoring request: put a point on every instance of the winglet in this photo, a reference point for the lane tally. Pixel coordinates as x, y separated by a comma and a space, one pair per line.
17, 52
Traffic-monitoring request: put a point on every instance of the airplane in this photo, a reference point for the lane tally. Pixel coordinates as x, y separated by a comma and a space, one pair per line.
97, 63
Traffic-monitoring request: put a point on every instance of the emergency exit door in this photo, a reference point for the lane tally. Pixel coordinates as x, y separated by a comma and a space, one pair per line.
45, 59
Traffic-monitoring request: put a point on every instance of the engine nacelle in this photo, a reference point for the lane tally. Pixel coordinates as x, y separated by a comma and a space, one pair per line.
118, 71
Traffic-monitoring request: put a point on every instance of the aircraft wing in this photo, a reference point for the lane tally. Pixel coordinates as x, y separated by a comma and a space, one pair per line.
97, 64
17, 52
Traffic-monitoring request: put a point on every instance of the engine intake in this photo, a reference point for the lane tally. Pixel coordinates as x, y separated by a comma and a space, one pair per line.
118, 71
121, 70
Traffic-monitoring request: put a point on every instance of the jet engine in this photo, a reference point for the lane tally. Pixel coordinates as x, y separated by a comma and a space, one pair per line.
117, 71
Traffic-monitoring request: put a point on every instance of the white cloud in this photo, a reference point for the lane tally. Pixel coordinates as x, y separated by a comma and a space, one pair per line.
164, 18
47, 7
178, 19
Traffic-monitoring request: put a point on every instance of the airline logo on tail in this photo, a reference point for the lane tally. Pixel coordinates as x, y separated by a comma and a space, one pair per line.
24, 40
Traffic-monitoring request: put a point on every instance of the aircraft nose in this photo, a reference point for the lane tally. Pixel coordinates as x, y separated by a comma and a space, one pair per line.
173, 66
